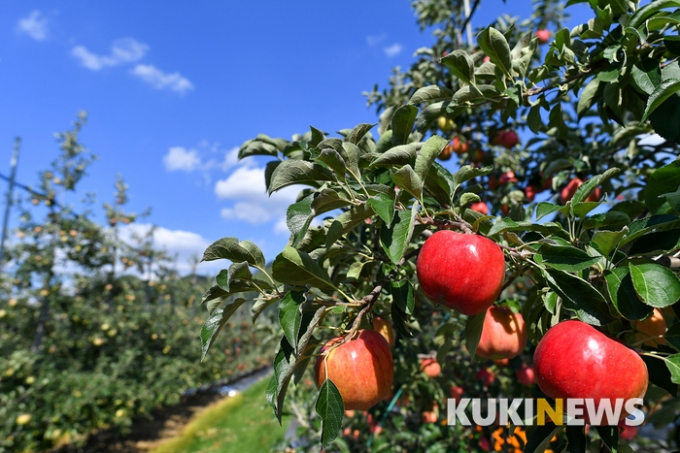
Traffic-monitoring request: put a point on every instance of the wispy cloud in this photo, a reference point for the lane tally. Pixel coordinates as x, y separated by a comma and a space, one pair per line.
123, 51
34, 25
393, 50
374, 40
189, 160
162, 80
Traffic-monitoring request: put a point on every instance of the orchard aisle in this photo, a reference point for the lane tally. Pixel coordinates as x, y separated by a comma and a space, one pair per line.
168, 423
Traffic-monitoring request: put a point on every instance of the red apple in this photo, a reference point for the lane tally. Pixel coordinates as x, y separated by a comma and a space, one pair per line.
505, 209
526, 375
486, 376
446, 153
543, 36
595, 195
480, 207
462, 271
459, 146
569, 190
429, 417
575, 360
507, 177
384, 328
626, 432
651, 329
456, 392
502, 362
530, 192
493, 182
504, 334
361, 369
430, 367
507, 139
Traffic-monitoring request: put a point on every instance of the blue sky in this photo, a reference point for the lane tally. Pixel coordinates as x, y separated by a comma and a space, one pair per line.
173, 88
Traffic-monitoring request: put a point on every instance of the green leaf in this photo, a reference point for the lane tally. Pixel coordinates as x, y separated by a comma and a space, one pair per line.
351, 154
430, 93
565, 257
359, 132
494, 44
290, 315
659, 374
231, 249
399, 155
330, 407
334, 161
408, 179
467, 172
646, 75
649, 10
383, 205
347, 221
654, 242
663, 91
579, 296
461, 65
587, 187
610, 436
298, 218
214, 324
473, 332
239, 271
439, 182
664, 180
673, 364
587, 97
291, 172
665, 118
403, 121
606, 241
298, 268
328, 200
428, 153
623, 295
544, 208
656, 285
256, 148
403, 296
395, 238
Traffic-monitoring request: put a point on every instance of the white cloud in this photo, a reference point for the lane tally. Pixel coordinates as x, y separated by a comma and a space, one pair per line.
375, 40
123, 51
246, 186
161, 80
393, 50
34, 25
179, 158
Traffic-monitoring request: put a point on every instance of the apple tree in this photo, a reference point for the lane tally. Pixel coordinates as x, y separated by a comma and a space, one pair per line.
565, 144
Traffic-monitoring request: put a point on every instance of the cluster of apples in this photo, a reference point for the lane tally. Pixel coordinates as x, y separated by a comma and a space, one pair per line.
465, 272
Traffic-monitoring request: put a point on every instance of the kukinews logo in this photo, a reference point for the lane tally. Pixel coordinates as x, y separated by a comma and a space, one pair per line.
530, 411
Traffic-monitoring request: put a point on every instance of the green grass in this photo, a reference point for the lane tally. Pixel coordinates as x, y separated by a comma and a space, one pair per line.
244, 424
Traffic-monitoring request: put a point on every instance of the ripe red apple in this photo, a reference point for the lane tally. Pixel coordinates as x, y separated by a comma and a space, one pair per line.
651, 329
480, 207
456, 392
543, 36
486, 376
462, 271
507, 139
569, 190
526, 375
507, 177
505, 209
575, 360
431, 367
627, 432
459, 146
446, 153
502, 362
504, 334
595, 195
361, 369
530, 192
384, 328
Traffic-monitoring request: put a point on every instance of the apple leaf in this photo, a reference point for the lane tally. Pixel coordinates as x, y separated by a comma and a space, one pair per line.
231, 249
544, 208
290, 315
539, 437
428, 153
660, 374
663, 91
383, 205
298, 218
213, 296
673, 364
439, 181
330, 407
291, 172
565, 257
214, 324
494, 44
402, 296
468, 172
239, 271
587, 187
473, 332
408, 179
577, 440
284, 365
643, 226
347, 221
663, 181
402, 123
579, 296
606, 241
359, 131
400, 320
623, 295
672, 336
395, 238
431, 93
296, 267
657, 241
610, 436
656, 285
328, 200
398, 155
461, 65
334, 161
